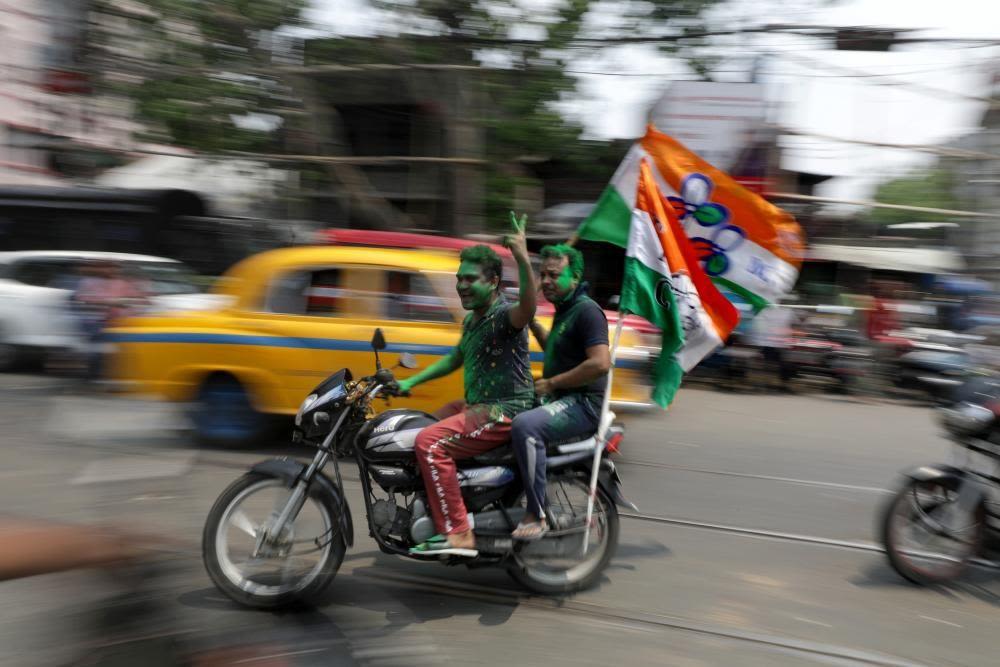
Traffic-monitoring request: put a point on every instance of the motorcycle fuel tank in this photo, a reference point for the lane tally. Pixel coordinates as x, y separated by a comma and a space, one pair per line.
390, 437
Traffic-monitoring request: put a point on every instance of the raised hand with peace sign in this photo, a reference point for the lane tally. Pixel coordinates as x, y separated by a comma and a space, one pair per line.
515, 239
522, 313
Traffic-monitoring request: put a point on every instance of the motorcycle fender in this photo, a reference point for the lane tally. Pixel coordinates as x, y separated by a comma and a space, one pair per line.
611, 484
936, 472
291, 470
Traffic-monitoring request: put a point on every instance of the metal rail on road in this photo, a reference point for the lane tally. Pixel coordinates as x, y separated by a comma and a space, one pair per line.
803, 647
853, 545
755, 532
769, 478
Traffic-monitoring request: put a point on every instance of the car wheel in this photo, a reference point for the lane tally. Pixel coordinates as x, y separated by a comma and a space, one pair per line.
224, 416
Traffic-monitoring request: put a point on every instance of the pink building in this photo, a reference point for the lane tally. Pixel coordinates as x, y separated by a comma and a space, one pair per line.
51, 125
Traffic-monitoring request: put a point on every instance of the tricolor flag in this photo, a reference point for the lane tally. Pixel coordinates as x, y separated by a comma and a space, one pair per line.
745, 244
665, 284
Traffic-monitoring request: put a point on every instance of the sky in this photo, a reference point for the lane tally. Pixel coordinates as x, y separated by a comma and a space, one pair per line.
918, 94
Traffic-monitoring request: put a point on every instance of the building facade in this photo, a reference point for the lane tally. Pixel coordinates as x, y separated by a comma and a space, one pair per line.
54, 128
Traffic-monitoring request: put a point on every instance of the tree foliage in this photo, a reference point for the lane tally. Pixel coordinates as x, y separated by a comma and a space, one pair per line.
525, 78
194, 67
931, 189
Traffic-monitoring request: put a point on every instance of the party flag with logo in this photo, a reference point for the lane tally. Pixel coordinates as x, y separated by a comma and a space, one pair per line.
745, 244
665, 284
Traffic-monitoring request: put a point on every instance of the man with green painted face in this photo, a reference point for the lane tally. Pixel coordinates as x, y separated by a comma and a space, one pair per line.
574, 378
494, 351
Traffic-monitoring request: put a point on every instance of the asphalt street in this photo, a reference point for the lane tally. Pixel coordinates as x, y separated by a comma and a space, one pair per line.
754, 544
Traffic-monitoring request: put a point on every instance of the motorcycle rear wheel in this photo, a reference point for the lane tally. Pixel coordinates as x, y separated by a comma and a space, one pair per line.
264, 589
915, 508
568, 500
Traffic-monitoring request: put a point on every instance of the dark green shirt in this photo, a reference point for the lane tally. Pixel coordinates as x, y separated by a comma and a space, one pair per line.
497, 367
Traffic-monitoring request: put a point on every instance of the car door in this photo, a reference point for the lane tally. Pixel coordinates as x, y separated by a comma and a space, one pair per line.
34, 308
421, 314
313, 321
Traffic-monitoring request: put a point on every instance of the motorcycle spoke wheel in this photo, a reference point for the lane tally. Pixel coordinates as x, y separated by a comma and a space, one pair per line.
924, 542
271, 567
556, 563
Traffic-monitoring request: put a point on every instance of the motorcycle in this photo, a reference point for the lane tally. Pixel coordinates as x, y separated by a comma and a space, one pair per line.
936, 373
944, 515
839, 357
278, 534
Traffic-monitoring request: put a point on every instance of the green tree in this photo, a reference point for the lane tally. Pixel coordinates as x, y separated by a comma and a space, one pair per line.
525, 78
930, 189
193, 68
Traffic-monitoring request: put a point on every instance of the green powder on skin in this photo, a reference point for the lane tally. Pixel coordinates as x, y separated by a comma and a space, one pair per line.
565, 284
482, 289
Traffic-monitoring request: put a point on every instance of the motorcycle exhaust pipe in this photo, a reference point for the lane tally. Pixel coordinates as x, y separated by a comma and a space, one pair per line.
567, 546
495, 522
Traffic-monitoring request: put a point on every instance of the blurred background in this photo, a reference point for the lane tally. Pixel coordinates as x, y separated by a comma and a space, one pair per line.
149, 146
207, 131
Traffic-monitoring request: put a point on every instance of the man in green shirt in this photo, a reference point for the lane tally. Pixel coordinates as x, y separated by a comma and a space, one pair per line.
498, 385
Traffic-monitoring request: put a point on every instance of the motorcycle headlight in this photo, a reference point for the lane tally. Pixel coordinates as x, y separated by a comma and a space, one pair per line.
309, 400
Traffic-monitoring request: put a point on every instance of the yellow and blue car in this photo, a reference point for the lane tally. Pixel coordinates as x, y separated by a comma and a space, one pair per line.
293, 316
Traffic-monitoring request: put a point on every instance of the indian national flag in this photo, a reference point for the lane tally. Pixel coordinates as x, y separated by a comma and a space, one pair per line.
745, 244
665, 284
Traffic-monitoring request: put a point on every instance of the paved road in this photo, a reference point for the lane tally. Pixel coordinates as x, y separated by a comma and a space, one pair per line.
754, 545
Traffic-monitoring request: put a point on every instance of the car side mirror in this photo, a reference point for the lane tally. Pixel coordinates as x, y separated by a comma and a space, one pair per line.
378, 341
407, 360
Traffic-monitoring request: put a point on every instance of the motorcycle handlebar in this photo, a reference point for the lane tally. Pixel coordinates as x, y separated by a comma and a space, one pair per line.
392, 389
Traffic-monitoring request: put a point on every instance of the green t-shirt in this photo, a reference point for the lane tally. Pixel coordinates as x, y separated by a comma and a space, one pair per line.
497, 366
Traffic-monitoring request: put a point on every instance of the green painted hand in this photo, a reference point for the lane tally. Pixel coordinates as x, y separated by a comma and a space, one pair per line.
405, 385
515, 240
518, 224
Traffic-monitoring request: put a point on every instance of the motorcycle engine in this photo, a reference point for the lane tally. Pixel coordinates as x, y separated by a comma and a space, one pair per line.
422, 528
389, 518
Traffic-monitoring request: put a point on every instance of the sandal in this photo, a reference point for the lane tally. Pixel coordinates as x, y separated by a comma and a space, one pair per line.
438, 545
529, 532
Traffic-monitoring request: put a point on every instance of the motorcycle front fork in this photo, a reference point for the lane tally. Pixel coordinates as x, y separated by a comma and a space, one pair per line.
271, 536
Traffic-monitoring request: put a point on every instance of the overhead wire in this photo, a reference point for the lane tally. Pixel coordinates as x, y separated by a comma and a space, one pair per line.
916, 86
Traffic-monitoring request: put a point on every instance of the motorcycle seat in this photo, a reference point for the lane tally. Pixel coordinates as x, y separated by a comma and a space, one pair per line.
504, 454
499, 456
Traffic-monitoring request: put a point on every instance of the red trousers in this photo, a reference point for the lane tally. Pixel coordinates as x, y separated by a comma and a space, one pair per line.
463, 432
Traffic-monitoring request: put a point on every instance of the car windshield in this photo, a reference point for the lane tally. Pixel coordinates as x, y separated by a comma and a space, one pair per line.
168, 277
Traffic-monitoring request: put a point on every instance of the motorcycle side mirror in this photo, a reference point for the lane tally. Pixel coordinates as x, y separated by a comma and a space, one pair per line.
378, 341
407, 360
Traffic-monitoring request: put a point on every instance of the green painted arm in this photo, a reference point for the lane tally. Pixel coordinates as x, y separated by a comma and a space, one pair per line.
447, 364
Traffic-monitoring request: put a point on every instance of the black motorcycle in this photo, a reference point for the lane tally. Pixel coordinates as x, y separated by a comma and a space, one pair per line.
936, 371
278, 534
942, 516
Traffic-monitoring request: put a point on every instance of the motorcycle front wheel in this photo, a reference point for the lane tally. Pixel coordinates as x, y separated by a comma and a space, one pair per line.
924, 540
555, 564
294, 567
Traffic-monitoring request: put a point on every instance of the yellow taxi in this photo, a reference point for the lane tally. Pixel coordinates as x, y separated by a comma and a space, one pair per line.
295, 315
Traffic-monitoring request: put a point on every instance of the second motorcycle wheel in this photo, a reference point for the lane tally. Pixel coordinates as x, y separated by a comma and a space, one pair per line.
924, 540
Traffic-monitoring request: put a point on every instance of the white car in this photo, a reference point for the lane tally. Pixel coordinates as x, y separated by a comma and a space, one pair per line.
35, 287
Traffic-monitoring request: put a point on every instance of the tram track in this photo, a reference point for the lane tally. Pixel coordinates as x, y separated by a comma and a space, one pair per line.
742, 475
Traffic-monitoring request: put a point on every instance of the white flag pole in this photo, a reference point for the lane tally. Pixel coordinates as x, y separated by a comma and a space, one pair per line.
601, 433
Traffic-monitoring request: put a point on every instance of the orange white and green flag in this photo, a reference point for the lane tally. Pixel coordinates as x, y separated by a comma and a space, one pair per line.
745, 244
665, 283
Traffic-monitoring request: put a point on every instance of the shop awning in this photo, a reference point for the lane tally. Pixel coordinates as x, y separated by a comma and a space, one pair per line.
910, 260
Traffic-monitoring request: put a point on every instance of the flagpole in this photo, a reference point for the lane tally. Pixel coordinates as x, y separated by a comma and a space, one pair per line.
601, 432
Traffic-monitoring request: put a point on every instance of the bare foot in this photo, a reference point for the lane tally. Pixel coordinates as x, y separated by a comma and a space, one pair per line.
530, 530
463, 540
